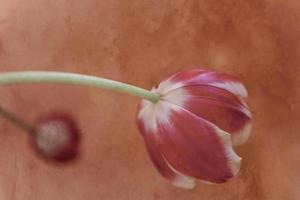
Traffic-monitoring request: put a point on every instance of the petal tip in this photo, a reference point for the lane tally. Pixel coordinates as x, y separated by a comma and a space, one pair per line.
180, 180
234, 161
242, 135
184, 182
236, 88
207, 182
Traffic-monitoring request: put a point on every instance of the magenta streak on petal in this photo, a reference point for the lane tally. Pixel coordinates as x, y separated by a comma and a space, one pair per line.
188, 75
193, 147
219, 107
153, 143
207, 77
224, 116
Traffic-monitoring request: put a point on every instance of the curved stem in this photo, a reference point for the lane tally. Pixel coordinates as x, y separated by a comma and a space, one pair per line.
77, 79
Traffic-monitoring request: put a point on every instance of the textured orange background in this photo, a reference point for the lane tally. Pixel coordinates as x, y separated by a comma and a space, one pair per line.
141, 42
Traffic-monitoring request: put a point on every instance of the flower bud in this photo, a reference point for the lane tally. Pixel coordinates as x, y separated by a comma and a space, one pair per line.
56, 137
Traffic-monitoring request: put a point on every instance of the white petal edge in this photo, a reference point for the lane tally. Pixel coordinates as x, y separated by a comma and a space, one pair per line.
241, 136
181, 180
236, 88
234, 160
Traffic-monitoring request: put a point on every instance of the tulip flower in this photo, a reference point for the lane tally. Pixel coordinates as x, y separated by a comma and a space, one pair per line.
189, 132
189, 122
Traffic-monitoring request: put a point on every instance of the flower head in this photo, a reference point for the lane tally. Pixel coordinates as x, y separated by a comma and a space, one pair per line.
190, 131
56, 137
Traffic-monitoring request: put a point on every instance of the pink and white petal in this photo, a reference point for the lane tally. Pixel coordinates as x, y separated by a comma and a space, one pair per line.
164, 168
177, 80
226, 82
197, 148
219, 107
150, 112
241, 136
184, 76
226, 117
203, 77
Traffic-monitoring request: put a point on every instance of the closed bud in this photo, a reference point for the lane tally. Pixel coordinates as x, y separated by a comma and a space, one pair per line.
56, 137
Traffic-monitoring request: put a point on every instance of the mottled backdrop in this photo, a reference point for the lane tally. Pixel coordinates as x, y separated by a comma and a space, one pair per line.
141, 42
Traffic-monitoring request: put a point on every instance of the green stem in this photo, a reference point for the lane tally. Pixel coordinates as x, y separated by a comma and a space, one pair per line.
77, 79
16, 121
